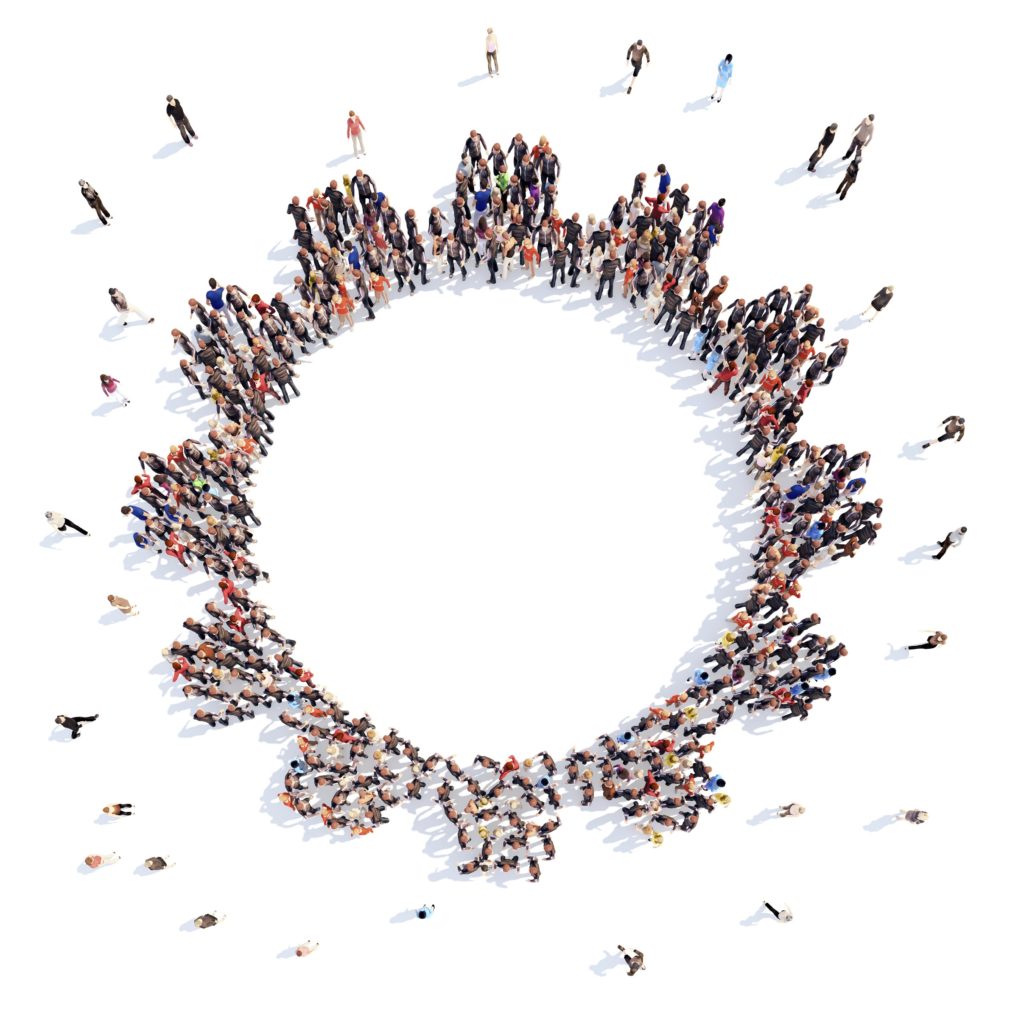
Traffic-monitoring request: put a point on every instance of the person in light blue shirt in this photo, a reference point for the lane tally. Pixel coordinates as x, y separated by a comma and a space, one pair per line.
724, 74
424, 912
714, 358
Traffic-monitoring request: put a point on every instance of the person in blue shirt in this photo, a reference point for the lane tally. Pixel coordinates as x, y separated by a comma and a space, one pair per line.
135, 510
664, 180
713, 359
483, 200
724, 74
215, 296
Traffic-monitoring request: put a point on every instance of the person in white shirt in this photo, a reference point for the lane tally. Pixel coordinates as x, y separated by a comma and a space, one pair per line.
953, 539
60, 523
862, 136
99, 860
492, 53
783, 915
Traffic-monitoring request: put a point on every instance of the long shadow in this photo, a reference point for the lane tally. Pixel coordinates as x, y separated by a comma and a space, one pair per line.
918, 555
169, 149
822, 201
614, 88
87, 227
704, 103
791, 174
883, 822
473, 79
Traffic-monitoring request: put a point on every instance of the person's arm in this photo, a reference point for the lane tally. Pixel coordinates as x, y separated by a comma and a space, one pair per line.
647, 54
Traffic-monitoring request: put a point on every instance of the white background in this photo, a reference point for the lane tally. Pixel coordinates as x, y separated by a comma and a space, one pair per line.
516, 536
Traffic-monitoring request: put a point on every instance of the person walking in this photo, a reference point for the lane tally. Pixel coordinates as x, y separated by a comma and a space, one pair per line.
61, 522
99, 860
157, 863
122, 604
307, 948
826, 140
635, 55
915, 817
634, 960
934, 641
424, 912
354, 129
118, 810
785, 915
791, 810
73, 723
953, 539
124, 307
181, 121
724, 75
861, 137
882, 299
953, 428
492, 53
92, 197
209, 920
109, 384
852, 169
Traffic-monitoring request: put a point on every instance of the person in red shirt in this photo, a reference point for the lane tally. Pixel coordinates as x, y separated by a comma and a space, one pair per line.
381, 286
723, 376
354, 130
531, 257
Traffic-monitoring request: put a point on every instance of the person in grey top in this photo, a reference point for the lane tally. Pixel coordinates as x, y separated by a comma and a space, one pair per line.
635, 55
861, 137
92, 197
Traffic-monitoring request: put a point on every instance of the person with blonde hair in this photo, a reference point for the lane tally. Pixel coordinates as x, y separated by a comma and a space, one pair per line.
492, 53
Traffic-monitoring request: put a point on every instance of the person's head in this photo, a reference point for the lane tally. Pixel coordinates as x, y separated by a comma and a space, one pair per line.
351, 113
871, 117
111, 599
94, 860
833, 126
170, 98
728, 58
489, 31
639, 42
721, 202
81, 182
213, 281
110, 291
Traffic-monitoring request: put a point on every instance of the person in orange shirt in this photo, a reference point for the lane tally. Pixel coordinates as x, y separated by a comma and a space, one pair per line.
381, 286
531, 256
627, 278
343, 307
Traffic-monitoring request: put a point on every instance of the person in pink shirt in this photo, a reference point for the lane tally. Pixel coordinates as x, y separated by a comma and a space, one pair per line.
354, 131
109, 386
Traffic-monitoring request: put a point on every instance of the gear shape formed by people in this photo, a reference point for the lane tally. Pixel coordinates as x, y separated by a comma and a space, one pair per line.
348, 772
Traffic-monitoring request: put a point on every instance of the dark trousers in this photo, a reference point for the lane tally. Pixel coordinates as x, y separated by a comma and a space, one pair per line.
923, 647
554, 273
492, 266
575, 275
401, 281
101, 211
772, 909
815, 157
74, 526
421, 269
944, 546
451, 267
844, 186
610, 281
185, 127
679, 330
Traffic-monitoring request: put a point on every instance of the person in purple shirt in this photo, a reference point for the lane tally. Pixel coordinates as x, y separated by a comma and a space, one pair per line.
215, 296
716, 216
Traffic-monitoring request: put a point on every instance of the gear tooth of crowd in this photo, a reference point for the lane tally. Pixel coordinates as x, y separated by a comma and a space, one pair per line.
193, 505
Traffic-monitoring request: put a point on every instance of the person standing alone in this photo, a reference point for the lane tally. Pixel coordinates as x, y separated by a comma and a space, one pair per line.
953, 539
92, 197
635, 55
724, 75
181, 121
354, 131
492, 53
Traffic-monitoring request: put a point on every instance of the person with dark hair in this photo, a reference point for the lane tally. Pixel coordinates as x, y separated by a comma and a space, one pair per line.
209, 920
118, 810
725, 70
861, 137
73, 723
181, 121
953, 539
92, 197
852, 169
635, 55
826, 140
634, 960
157, 863
123, 307
953, 428
424, 912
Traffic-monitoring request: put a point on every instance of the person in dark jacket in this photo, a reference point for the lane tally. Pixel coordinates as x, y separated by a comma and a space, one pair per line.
882, 299
635, 55
852, 168
181, 121
826, 140
92, 197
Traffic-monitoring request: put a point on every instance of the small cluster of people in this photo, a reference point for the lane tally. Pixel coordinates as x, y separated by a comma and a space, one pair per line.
861, 140
767, 354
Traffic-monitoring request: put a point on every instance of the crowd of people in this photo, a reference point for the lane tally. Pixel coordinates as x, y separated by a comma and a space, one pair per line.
766, 352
